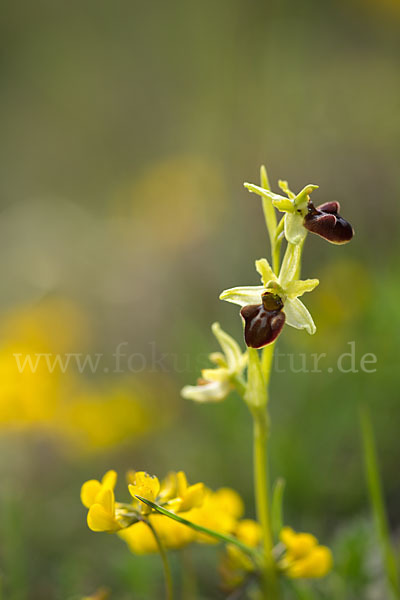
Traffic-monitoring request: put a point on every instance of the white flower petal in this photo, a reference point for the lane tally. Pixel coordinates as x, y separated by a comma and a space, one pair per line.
229, 347
209, 392
298, 316
243, 295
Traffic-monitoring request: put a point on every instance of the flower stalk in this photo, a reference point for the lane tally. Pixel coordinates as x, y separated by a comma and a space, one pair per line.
169, 586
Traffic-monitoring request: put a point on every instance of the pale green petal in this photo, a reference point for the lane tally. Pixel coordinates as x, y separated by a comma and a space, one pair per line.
302, 197
298, 316
218, 359
290, 265
295, 232
265, 270
300, 287
285, 188
215, 374
229, 346
283, 204
243, 295
209, 392
275, 198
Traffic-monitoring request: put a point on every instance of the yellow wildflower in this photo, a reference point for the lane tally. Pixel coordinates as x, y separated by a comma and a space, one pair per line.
98, 496
304, 557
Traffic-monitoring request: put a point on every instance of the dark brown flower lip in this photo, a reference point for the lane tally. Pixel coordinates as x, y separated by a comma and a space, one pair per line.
325, 221
263, 322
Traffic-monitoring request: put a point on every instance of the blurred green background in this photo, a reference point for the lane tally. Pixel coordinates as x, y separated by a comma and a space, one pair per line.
127, 131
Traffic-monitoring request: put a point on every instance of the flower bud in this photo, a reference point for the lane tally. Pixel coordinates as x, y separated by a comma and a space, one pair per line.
325, 221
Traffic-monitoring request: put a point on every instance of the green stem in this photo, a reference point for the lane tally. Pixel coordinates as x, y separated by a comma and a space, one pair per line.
261, 484
169, 588
266, 362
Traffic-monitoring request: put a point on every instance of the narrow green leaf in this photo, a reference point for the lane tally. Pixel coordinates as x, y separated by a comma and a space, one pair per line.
277, 507
375, 490
268, 209
228, 539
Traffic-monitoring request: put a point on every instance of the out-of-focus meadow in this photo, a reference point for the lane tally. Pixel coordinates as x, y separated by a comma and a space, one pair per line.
128, 129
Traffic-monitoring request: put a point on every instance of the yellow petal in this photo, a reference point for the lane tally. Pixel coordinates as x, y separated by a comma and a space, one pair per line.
109, 480
106, 499
298, 544
182, 483
99, 519
169, 486
229, 501
139, 538
145, 485
249, 532
89, 492
193, 497
316, 564
286, 536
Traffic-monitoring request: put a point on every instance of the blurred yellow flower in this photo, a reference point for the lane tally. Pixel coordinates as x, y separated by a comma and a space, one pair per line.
37, 392
303, 556
235, 565
220, 511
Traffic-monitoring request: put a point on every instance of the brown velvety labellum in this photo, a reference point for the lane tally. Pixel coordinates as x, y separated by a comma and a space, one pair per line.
329, 207
326, 222
262, 326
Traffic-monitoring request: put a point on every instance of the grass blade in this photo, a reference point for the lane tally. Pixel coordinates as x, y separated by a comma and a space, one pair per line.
228, 539
277, 507
377, 502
